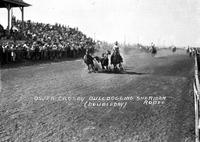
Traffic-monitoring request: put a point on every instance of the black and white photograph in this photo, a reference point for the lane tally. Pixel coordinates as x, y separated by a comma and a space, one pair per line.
99, 70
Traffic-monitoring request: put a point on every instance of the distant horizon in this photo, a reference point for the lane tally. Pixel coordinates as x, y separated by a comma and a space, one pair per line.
164, 22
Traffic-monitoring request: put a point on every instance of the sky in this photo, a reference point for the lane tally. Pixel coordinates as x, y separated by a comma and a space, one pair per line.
164, 22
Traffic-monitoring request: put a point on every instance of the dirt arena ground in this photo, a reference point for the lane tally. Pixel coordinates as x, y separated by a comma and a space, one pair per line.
61, 102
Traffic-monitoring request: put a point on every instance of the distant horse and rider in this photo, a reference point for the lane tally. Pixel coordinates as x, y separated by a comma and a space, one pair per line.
153, 49
191, 51
116, 60
173, 48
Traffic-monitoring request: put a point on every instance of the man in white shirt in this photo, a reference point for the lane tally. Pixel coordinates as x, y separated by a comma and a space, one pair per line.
116, 47
116, 53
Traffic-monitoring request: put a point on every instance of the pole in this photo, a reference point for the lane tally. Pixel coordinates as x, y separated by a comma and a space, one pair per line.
22, 11
8, 8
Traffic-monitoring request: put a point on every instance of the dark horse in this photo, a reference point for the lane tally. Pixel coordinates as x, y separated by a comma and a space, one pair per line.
153, 51
174, 49
103, 60
88, 59
116, 59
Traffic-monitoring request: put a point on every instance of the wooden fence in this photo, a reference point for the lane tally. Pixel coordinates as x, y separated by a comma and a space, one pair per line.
196, 86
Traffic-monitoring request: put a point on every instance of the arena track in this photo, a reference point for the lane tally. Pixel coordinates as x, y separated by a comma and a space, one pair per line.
53, 102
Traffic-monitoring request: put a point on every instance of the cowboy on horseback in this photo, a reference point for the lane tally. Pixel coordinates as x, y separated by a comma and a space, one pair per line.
116, 58
88, 55
116, 47
153, 49
88, 59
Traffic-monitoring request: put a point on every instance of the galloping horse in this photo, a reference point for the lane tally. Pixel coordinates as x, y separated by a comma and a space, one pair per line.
116, 59
88, 59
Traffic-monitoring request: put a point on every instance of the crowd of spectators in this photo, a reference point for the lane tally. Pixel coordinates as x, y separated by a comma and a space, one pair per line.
38, 41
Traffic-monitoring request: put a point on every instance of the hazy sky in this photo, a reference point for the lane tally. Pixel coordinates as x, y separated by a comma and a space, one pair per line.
164, 22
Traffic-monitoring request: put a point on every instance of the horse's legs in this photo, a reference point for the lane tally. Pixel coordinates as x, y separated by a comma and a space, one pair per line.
88, 68
120, 65
102, 66
115, 66
93, 68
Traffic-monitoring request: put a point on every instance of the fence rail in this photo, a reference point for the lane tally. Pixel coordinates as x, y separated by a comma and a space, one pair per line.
196, 87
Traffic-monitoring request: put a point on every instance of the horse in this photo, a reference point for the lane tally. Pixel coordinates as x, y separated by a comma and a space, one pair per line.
174, 49
191, 52
188, 50
89, 62
116, 59
153, 51
103, 60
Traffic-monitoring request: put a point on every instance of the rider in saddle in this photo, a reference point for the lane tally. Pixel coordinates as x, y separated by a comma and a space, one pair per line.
153, 48
117, 52
152, 45
88, 55
116, 47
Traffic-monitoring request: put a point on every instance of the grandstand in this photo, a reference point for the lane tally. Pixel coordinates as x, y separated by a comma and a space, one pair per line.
9, 4
27, 40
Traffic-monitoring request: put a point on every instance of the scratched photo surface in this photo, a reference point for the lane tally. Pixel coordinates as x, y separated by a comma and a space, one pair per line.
59, 82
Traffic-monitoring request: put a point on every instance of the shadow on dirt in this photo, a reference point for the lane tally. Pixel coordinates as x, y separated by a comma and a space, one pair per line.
122, 72
162, 57
135, 73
